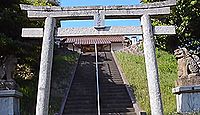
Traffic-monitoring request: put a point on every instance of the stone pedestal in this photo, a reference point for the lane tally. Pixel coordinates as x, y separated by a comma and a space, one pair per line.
9, 102
188, 81
187, 98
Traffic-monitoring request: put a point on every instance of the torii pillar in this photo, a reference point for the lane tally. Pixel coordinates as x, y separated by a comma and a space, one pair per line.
45, 67
151, 66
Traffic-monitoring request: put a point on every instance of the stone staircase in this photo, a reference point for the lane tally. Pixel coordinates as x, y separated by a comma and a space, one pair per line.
82, 96
114, 99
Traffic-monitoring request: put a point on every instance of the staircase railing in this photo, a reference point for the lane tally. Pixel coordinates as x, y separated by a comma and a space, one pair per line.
97, 81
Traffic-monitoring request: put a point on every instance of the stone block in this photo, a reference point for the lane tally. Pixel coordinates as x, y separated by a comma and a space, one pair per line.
32, 32
187, 99
9, 102
188, 81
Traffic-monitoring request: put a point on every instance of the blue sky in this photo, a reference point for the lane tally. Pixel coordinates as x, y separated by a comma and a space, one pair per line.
90, 23
97, 2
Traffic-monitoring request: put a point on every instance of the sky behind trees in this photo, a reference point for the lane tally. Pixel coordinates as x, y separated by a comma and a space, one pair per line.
90, 23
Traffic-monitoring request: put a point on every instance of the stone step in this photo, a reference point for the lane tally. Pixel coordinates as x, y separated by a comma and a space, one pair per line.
95, 113
81, 106
83, 81
79, 87
117, 110
108, 101
110, 96
80, 110
111, 84
82, 102
83, 92
126, 113
81, 97
107, 98
113, 92
112, 88
111, 80
118, 105
84, 84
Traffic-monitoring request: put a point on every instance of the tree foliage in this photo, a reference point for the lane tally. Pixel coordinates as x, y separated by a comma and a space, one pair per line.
186, 17
12, 20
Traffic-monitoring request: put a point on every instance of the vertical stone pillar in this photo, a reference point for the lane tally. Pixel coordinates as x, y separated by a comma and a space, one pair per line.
45, 67
151, 66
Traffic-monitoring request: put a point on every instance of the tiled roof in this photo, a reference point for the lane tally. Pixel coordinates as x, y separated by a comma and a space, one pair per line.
93, 39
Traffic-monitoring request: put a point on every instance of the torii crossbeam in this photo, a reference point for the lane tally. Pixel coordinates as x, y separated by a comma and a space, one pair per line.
98, 13
91, 31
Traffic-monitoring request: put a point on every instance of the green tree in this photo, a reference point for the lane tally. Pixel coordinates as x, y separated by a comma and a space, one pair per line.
12, 20
186, 17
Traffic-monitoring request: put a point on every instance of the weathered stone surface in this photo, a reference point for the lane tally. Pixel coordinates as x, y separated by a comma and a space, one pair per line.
45, 67
32, 32
164, 30
9, 102
194, 80
140, 6
90, 31
134, 49
99, 19
188, 68
88, 14
151, 66
187, 99
7, 68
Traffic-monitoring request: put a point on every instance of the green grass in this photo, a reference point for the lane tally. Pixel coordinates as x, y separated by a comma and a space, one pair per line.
134, 68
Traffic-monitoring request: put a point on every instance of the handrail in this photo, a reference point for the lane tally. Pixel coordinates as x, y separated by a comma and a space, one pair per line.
97, 79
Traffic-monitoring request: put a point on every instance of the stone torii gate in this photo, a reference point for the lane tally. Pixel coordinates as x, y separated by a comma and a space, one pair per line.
51, 14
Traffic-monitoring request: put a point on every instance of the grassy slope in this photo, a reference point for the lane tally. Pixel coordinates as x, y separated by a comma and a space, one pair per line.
134, 69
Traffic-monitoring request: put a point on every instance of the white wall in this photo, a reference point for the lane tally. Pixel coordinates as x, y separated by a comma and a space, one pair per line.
117, 46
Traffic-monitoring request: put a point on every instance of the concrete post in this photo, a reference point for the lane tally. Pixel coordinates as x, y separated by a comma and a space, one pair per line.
151, 66
45, 67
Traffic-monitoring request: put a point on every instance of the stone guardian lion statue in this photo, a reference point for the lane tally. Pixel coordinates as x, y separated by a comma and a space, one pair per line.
188, 64
7, 69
